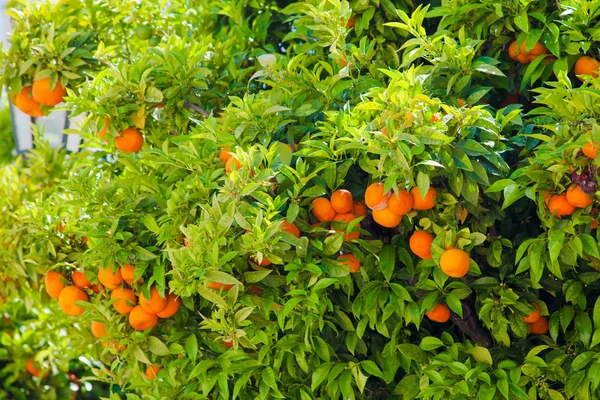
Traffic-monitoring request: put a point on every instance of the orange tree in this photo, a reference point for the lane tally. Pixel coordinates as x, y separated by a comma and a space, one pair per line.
320, 200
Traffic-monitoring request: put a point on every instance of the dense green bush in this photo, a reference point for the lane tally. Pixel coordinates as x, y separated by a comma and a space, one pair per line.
220, 123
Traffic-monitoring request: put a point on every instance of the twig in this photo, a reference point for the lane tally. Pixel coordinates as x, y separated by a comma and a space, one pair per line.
199, 110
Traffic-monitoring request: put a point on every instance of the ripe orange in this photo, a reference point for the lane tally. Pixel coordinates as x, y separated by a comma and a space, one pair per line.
455, 263
173, 303
323, 210
98, 329
219, 286
68, 297
351, 22
43, 94
80, 280
127, 272
31, 368
533, 316
25, 102
359, 209
228, 343
375, 199
290, 228
152, 371
263, 263
54, 285
532, 54
401, 203
141, 320
420, 244
109, 279
341, 201
440, 313
577, 197
224, 154
385, 217
586, 66
590, 150
130, 141
104, 129
420, 203
560, 206
348, 218
156, 303
512, 50
351, 261
232, 164
539, 327
126, 300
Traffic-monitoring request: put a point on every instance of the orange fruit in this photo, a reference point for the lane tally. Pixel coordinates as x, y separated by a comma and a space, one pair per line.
533, 316
126, 300
228, 343
359, 209
104, 129
80, 280
290, 228
351, 261
435, 118
30, 366
224, 154
532, 54
109, 279
152, 371
130, 141
156, 303
440, 313
43, 94
114, 344
420, 203
25, 102
590, 150
219, 286
455, 263
420, 244
586, 66
348, 218
401, 203
375, 199
140, 319
68, 297
351, 22
172, 307
539, 327
341, 201
263, 263
323, 210
560, 206
54, 285
577, 197
98, 329
385, 217
127, 272
512, 50
232, 164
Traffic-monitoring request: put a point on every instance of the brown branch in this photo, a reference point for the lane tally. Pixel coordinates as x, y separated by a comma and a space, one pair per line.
199, 110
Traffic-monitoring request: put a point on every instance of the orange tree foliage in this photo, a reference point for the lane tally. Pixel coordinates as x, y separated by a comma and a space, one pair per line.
223, 243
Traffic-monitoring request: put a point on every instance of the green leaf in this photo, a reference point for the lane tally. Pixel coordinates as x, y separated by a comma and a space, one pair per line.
191, 347
371, 368
430, 343
387, 261
499, 185
590, 246
583, 326
413, 352
522, 22
256, 276
423, 183
454, 304
333, 243
481, 354
319, 375
156, 346
150, 223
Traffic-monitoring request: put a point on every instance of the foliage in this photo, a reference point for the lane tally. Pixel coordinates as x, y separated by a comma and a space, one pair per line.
250, 111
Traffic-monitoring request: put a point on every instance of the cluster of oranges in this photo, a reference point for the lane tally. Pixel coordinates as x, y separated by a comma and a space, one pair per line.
566, 203
30, 98
231, 162
585, 65
523, 56
340, 207
389, 208
538, 325
142, 316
